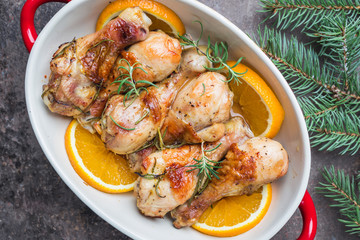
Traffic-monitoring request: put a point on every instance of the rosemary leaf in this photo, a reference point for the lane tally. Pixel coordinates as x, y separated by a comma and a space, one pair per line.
142, 117
217, 54
150, 176
128, 129
213, 149
204, 89
97, 44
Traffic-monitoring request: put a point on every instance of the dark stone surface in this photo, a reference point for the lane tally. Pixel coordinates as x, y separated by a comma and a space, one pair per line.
36, 204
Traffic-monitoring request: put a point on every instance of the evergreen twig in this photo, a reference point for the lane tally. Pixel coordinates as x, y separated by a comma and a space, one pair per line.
308, 13
328, 91
345, 192
326, 82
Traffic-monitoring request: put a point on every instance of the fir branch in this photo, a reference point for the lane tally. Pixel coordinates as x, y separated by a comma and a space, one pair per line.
297, 63
338, 129
337, 34
342, 189
340, 43
307, 13
313, 108
319, 93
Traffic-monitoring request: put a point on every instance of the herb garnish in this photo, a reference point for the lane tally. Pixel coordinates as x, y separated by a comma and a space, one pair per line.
127, 82
142, 117
204, 89
128, 129
204, 164
217, 54
159, 143
207, 169
151, 176
67, 45
97, 44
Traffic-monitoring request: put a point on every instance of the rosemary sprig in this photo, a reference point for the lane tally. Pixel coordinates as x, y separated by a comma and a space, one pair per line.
204, 164
157, 188
97, 44
151, 176
207, 169
204, 89
67, 45
217, 54
159, 143
127, 129
142, 117
128, 84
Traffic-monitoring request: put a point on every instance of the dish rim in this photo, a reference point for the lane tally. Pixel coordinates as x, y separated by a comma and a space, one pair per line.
213, 14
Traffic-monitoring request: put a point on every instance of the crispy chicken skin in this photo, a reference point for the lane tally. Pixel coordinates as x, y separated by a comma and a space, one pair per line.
192, 62
197, 114
159, 55
205, 102
153, 104
80, 68
156, 197
246, 167
151, 107
135, 159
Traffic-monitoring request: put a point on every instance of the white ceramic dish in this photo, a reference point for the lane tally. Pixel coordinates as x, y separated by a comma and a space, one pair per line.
77, 19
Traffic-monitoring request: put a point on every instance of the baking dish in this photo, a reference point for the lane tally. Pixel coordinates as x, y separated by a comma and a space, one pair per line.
77, 19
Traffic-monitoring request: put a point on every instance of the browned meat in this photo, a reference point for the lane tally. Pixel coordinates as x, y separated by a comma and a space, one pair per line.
246, 167
159, 55
125, 128
156, 197
80, 68
199, 110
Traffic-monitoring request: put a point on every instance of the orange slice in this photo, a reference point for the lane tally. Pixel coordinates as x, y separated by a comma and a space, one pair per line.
232, 216
96, 165
257, 103
161, 16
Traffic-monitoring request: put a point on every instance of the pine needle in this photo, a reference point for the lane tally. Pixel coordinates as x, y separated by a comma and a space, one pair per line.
331, 110
344, 191
308, 14
326, 82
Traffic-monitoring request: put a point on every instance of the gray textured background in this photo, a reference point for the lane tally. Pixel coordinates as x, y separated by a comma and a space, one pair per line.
36, 204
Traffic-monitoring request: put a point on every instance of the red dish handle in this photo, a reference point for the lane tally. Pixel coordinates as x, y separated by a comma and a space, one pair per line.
27, 20
308, 213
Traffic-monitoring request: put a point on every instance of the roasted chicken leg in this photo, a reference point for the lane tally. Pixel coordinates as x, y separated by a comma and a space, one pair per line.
171, 183
158, 55
199, 110
127, 125
197, 114
246, 167
80, 68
